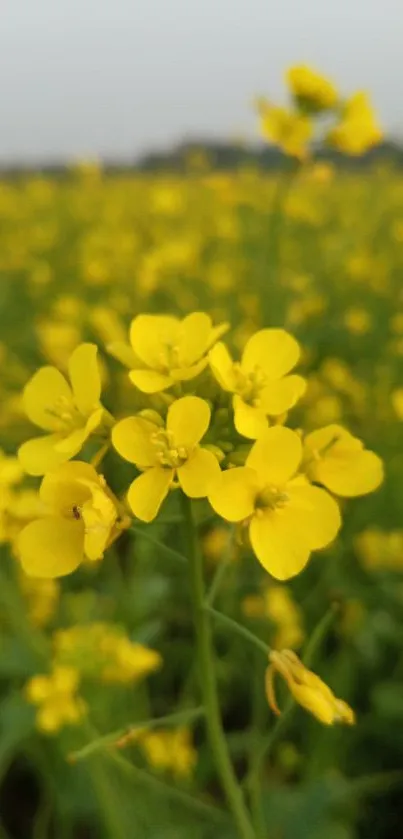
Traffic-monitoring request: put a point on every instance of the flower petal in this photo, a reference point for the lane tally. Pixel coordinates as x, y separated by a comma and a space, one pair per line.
51, 547
188, 420
123, 352
41, 395
273, 350
233, 494
150, 381
64, 488
194, 333
222, 366
131, 437
281, 395
71, 444
40, 454
85, 378
352, 476
150, 335
281, 551
199, 473
185, 374
276, 455
249, 421
147, 492
312, 509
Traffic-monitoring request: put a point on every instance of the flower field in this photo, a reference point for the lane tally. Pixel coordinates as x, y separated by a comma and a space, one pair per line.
201, 506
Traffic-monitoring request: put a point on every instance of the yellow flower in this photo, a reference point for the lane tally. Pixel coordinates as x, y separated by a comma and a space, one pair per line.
165, 350
286, 615
84, 519
41, 597
358, 129
168, 750
166, 453
56, 696
288, 517
290, 130
70, 412
307, 689
311, 90
336, 459
259, 382
103, 651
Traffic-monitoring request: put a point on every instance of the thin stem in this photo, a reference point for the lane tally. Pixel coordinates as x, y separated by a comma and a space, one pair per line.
143, 534
312, 647
208, 683
150, 724
221, 570
239, 629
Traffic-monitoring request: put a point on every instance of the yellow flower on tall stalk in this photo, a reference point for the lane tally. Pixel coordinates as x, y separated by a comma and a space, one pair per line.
287, 517
56, 696
312, 91
70, 411
83, 520
290, 130
260, 381
358, 129
167, 453
335, 458
165, 350
307, 689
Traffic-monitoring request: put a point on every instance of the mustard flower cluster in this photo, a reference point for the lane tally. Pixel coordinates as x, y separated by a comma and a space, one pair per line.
207, 426
354, 127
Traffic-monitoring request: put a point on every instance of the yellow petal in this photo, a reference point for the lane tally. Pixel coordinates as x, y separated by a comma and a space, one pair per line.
85, 378
131, 437
71, 444
281, 551
350, 477
67, 486
41, 396
249, 421
276, 455
185, 374
123, 353
188, 420
222, 366
281, 395
194, 333
217, 332
150, 381
233, 494
150, 335
199, 473
273, 350
323, 439
315, 512
40, 455
147, 492
51, 547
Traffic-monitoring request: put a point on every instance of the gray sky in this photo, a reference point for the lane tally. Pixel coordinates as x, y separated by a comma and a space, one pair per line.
116, 77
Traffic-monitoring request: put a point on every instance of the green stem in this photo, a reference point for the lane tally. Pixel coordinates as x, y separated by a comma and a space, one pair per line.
208, 684
239, 629
110, 739
143, 534
221, 571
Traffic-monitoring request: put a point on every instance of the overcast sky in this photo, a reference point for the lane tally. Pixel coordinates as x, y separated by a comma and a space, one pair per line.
116, 77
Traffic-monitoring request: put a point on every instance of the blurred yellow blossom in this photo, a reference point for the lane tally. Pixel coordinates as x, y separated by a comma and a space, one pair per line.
290, 130
358, 129
312, 91
57, 698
